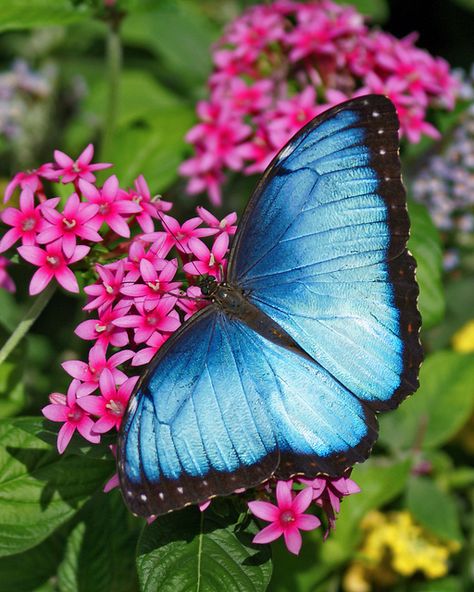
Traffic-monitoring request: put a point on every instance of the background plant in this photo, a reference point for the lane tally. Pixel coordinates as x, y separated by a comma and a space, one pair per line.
112, 74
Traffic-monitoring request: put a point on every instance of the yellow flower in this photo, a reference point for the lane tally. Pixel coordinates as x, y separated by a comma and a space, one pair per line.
463, 340
394, 546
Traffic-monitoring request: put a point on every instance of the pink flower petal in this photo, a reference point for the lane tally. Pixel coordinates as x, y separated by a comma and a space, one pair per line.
64, 436
55, 412
293, 540
302, 500
307, 522
67, 280
284, 495
92, 404
40, 280
86, 428
264, 510
268, 534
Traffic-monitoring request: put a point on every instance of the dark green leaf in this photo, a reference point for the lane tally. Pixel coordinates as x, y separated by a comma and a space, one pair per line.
435, 413
26, 14
28, 570
443, 585
425, 245
434, 509
39, 489
100, 550
190, 550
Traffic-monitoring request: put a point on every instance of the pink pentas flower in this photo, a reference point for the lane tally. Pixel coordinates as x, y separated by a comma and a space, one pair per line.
156, 283
268, 82
227, 224
110, 406
156, 254
72, 170
6, 282
90, 373
66, 409
287, 517
106, 291
26, 221
103, 330
159, 318
72, 223
178, 235
191, 302
31, 179
112, 207
145, 354
328, 493
53, 263
209, 261
150, 206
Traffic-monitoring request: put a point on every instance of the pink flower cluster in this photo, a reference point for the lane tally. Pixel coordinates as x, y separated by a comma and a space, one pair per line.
288, 516
145, 286
281, 64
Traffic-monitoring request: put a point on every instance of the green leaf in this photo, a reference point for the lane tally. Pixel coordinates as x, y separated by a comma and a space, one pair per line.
29, 570
444, 585
99, 553
26, 14
434, 509
190, 550
139, 95
440, 407
425, 245
380, 481
179, 35
466, 4
459, 310
155, 151
40, 490
377, 10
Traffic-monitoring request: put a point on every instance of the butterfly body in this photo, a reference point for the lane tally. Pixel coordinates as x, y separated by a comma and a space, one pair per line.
313, 331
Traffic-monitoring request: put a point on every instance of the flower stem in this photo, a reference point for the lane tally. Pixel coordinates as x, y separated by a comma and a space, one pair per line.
113, 66
27, 321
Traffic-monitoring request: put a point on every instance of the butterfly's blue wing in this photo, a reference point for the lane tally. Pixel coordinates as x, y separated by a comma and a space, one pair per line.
321, 249
222, 407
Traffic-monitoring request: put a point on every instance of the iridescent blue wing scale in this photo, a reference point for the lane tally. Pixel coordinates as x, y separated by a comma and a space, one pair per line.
321, 249
221, 408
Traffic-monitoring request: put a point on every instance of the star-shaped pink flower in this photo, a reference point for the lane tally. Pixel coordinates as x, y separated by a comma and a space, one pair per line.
72, 223
27, 221
112, 207
52, 263
111, 405
72, 170
287, 517
66, 409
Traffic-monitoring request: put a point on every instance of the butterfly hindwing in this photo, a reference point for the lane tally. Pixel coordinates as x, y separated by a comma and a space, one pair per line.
222, 409
321, 249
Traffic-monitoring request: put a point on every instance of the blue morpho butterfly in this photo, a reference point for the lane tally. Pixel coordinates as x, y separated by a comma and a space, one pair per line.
313, 332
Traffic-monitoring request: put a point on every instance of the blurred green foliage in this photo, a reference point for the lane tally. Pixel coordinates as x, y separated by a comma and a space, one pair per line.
58, 532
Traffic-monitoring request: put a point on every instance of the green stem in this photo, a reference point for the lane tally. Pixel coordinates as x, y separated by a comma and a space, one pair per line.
114, 66
27, 321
